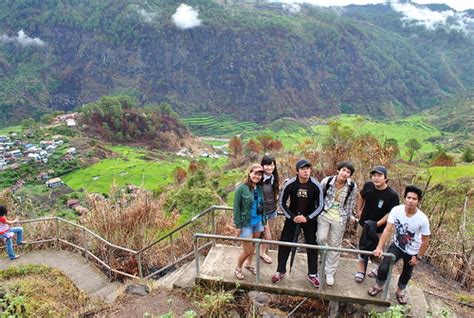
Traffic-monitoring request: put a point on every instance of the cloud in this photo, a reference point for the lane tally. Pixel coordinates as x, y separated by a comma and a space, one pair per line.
186, 17
145, 15
292, 7
420, 15
22, 38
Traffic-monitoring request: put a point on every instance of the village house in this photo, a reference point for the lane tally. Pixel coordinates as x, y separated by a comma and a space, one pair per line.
58, 142
16, 153
71, 151
54, 183
4, 138
65, 117
3, 165
42, 176
46, 143
34, 157
71, 203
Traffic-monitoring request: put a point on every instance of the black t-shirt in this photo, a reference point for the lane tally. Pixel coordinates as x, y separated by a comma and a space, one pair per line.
377, 203
303, 204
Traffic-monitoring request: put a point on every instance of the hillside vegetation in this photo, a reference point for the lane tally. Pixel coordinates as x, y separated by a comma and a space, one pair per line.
258, 63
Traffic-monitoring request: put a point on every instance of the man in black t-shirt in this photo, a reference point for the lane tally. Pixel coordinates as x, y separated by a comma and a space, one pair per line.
376, 201
306, 203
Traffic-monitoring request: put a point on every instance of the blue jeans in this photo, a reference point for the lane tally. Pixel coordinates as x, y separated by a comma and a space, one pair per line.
9, 241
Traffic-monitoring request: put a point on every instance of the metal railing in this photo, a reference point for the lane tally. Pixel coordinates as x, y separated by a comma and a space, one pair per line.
258, 242
84, 245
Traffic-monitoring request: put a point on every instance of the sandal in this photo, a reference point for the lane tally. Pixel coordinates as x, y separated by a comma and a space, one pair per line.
373, 273
374, 290
267, 259
402, 299
359, 277
250, 269
238, 274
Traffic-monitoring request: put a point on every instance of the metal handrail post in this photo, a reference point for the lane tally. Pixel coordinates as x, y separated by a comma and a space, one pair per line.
213, 222
257, 262
389, 277
140, 270
84, 244
173, 253
196, 255
322, 271
57, 234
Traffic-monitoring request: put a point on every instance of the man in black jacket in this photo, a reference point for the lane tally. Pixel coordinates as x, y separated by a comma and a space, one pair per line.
306, 203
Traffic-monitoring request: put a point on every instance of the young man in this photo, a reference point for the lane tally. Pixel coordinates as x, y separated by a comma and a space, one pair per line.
340, 196
375, 202
306, 202
410, 241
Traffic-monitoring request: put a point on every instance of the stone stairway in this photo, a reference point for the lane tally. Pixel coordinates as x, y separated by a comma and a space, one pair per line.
85, 275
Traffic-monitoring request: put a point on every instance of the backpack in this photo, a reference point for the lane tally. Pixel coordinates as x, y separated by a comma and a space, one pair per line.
351, 187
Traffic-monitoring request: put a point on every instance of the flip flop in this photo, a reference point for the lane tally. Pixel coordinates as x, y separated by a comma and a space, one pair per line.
373, 273
267, 259
402, 299
250, 269
374, 290
238, 274
359, 277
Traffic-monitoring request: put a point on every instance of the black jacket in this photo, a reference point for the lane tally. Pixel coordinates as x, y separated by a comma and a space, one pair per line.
369, 239
289, 190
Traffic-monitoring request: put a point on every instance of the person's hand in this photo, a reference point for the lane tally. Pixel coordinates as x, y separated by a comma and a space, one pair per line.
378, 252
238, 233
299, 219
15, 220
414, 261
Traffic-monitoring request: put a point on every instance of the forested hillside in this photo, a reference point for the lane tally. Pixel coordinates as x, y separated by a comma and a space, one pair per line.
257, 63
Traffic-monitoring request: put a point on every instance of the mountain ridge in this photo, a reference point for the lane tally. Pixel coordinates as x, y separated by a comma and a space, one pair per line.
256, 63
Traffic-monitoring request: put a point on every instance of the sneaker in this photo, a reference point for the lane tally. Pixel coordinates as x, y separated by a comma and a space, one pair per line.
314, 279
329, 280
277, 277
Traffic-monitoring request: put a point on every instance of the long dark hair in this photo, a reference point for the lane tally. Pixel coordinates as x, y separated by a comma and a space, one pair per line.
268, 160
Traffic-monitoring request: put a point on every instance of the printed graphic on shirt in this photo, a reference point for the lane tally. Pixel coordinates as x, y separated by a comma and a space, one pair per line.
302, 193
404, 237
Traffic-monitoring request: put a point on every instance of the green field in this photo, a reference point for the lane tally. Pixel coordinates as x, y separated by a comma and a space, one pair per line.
218, 126
451, 174
7, 130
402, 130
131, 167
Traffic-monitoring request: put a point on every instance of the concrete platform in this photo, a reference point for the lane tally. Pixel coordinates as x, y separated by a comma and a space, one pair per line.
219, 265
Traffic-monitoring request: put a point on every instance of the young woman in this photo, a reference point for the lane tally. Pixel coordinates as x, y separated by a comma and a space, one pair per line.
270, 192
249, 217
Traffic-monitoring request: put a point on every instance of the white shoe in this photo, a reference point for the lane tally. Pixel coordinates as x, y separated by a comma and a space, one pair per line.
329, 280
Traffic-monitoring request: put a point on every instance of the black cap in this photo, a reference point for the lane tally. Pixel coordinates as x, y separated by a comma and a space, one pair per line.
302, 163
380, 169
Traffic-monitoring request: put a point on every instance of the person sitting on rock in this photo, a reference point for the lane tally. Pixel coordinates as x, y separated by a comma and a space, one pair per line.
7, 233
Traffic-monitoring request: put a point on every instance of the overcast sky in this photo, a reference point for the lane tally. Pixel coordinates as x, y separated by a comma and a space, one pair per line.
458, 5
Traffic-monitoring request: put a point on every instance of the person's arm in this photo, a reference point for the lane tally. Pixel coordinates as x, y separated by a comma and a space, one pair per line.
320, 199
425, 242
352, 202
236, 207
359, 206
12, 222
283, 201
385, 235
383, 220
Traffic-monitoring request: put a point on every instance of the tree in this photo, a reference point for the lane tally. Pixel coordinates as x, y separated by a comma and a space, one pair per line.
265, 141
468, 155
442, 159
28, 123
235, 147
179, 175
413, 146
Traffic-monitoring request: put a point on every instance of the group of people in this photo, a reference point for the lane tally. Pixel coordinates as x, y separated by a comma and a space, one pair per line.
322, 211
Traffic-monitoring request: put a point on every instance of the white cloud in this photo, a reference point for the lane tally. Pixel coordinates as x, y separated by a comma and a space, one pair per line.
145, 15
22, 38
292, 7
420, 15
186, 17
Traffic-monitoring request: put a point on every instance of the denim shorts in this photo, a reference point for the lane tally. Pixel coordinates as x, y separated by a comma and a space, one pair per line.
247, 231
272, 215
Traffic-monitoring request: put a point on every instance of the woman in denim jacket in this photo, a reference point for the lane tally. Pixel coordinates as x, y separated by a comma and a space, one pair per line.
249, 217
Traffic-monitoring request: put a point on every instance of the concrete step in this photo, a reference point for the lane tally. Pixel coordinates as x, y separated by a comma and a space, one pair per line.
182, 277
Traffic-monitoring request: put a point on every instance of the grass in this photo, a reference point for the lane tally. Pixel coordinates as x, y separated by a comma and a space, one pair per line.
132, 167
7, 130
451, 174
39, 291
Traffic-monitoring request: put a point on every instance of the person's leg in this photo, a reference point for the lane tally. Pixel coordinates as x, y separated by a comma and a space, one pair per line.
19, 234
256, 234
287, 235
309, 229
324, 226
268, 236
247, 249
406, 274
335, 236
9, 246
382, 272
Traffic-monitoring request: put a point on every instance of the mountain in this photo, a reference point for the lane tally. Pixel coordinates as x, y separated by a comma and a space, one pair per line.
255, 62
